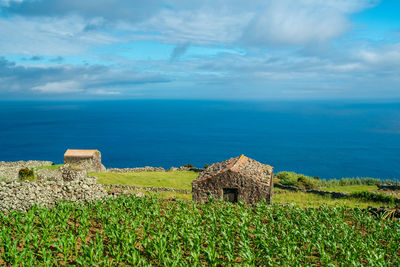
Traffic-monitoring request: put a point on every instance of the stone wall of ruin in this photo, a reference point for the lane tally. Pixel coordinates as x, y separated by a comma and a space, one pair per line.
92, 164
249, 191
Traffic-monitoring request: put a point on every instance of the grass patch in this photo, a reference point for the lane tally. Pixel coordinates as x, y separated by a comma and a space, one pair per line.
311, 200
351, 188
177, 179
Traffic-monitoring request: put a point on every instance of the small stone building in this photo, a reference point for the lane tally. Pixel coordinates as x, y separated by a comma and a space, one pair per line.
236, 179
88, 159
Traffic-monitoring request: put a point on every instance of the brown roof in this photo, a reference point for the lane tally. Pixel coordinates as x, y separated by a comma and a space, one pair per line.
243, 165
80, 153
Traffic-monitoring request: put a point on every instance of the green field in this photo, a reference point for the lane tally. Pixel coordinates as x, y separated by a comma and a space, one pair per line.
351, 188
150, 231
176, 179
183, 179
310, 200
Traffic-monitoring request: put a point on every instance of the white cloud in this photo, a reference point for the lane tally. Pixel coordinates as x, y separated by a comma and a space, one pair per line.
64, 87
380, 56
226, 22
49, 36
299, 22
104, 92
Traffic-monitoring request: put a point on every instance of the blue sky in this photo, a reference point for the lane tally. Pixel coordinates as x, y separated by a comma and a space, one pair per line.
220, 49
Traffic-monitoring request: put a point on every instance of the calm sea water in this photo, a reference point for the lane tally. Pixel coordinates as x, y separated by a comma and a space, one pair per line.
325, 139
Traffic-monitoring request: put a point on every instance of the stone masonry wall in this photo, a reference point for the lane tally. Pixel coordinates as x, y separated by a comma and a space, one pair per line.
139, 169
249, 191
145, 188
22, 196
25, 164
9, 169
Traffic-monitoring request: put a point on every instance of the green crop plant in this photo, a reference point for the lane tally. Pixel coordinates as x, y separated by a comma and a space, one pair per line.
151, 231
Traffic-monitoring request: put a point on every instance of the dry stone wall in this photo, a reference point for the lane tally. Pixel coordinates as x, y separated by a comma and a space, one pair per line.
150, 189
25, 164
139, 169
48, 175
23, 195
9, 169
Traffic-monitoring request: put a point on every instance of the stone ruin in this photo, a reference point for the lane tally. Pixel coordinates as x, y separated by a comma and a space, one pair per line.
236, 179
88, 159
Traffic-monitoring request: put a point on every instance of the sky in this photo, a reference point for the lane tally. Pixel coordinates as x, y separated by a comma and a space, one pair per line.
184, 49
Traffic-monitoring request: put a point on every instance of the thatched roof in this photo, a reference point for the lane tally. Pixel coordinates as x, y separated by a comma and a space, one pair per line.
80, 153
243, 165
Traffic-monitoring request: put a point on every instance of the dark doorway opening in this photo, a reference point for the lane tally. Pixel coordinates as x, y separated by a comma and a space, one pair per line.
231, 194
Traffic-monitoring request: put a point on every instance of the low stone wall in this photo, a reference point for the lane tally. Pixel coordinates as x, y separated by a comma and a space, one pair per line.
25, 164
9, 169
389, 187
336, 195
154, 169
48, 175
183, 168
22, 196
151, 189
312, 191
139, 169
287, 187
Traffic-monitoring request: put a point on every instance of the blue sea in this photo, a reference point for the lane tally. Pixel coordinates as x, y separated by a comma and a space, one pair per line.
328, 139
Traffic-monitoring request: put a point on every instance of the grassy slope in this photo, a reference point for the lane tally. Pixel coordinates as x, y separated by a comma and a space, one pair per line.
178, 179
182, 180
311, 200
351, 188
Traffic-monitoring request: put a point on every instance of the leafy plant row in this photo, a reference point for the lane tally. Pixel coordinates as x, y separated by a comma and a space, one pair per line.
150, 231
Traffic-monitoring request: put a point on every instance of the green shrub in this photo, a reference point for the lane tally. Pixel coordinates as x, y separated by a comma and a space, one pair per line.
188, 166
26, 174
307, 182
298, 180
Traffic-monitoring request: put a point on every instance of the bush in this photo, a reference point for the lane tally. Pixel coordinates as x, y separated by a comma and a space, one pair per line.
26, 174
206, 166
298, 180
188, 166
307, 182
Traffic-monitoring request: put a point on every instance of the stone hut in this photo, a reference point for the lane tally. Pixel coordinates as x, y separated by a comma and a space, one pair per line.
236, 179
88, 159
